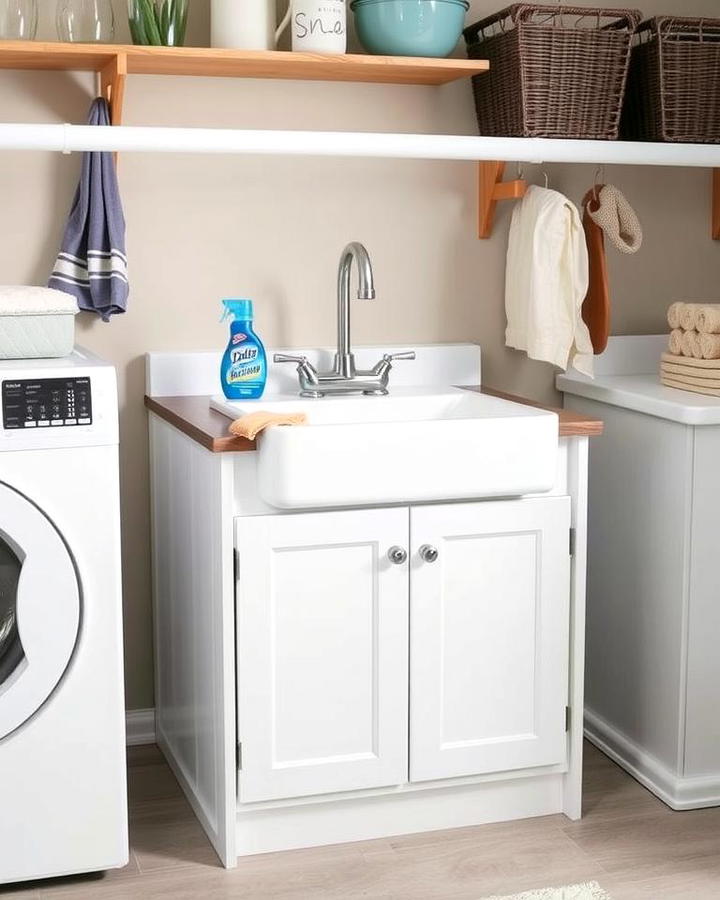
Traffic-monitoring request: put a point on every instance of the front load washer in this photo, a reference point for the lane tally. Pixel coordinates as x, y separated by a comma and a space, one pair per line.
63, 806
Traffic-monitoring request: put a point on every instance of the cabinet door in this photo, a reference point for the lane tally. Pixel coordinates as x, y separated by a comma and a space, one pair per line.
489, 638
322, 652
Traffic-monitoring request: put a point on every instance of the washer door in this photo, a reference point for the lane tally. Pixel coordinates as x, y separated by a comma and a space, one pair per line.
39, 608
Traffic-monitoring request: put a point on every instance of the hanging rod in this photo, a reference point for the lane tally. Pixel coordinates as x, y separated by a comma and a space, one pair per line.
124, 139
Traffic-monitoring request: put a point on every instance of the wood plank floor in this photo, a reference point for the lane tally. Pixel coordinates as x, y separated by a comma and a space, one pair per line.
629, 841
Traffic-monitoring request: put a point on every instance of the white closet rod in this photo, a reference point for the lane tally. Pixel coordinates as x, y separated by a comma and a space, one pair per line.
123, 139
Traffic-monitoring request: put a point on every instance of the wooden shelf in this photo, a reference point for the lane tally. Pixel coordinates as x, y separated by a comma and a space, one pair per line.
237, 63
113, 62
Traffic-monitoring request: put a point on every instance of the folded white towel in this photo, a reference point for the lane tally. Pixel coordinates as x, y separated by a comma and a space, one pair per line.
26, 300
547, 280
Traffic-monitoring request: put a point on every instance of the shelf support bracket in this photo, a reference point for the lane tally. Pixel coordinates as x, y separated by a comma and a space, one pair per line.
491, 189
716, 204
112, 86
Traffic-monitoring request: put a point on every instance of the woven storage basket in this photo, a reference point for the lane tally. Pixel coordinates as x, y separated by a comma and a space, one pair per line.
673, 91
555, 71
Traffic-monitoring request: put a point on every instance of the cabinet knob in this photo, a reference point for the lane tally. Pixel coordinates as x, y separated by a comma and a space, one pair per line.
397, 555
428, 553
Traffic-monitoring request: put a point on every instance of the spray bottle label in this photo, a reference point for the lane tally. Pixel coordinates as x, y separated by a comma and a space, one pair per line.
245, 361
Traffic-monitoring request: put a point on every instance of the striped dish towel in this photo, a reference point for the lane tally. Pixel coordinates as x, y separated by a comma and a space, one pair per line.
91, 264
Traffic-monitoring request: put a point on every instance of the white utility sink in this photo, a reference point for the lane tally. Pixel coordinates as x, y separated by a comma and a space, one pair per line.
412, 445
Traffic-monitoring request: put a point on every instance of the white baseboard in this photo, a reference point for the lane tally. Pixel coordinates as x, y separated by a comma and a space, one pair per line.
140, 727
676, 791
316, 824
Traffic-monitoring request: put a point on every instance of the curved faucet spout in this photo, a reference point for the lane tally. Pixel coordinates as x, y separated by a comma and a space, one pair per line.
344, 362
366, 286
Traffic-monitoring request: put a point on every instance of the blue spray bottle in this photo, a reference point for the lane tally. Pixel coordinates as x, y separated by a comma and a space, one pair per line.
243, 370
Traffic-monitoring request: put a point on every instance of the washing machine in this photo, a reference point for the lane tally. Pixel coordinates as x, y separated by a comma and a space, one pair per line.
63, 806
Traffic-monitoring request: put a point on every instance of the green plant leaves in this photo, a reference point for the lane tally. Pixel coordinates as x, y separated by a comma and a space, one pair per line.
158, 22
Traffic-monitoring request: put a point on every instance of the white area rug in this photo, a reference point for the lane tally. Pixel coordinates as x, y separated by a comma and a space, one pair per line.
591, 890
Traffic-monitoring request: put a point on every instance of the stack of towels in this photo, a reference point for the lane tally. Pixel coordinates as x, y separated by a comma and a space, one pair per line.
693, 360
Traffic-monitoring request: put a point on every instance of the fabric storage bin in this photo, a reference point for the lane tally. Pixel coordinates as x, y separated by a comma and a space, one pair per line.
36, 323
673, 91
555, 71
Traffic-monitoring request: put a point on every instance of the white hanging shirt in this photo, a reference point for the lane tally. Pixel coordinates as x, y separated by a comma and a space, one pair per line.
546, 281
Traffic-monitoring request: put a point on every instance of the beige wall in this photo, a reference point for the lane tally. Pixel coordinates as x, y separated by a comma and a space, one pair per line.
202, 227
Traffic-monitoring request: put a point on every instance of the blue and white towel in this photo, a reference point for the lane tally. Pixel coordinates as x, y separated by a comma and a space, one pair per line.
91, 263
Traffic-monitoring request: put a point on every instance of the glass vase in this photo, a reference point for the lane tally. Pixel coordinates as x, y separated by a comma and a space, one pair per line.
18, 20
85, 21
158, 22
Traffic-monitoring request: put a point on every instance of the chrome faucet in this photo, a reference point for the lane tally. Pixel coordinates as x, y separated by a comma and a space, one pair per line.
345, 378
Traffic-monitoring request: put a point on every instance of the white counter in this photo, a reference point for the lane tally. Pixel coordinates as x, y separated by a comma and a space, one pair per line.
627, 375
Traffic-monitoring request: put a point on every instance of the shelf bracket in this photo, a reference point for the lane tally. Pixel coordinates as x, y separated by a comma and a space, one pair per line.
716, 204
491, 189
112, 86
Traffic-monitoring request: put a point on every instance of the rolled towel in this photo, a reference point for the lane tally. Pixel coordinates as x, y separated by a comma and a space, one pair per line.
709, 346
674, 314
691, 344
675, 342
687, 316
251, 424
707, 318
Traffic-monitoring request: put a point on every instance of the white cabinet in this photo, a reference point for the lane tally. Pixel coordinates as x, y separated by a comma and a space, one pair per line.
325, 619
322, 652
368, 699
489, 637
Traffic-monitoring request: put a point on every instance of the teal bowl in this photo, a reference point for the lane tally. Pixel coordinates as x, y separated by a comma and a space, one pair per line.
409, 27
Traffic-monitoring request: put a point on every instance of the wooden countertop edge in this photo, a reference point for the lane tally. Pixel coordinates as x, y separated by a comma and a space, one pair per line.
572, 424
209, 428
194, 417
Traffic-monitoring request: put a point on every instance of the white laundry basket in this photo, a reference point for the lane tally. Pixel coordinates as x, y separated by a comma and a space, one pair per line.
36, 322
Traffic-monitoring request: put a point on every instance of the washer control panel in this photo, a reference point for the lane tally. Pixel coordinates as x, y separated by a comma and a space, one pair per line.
46, 403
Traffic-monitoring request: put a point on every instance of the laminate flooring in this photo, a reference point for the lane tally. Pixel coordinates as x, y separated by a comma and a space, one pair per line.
629, 841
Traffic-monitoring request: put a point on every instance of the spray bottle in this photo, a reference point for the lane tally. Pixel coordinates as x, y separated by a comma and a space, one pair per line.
243, 370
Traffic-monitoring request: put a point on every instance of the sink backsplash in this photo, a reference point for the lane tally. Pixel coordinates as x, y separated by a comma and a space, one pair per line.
198, 373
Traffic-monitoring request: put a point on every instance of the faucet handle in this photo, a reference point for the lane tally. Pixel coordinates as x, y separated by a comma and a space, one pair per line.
382, 369
307, 373
407, 354
284, 357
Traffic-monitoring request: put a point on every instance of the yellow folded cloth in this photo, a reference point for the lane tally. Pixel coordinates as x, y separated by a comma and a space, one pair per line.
674, 314
707, 318
675, 342
251, 424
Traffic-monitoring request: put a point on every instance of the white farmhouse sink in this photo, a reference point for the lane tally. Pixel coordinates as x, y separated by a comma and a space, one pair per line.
412, 445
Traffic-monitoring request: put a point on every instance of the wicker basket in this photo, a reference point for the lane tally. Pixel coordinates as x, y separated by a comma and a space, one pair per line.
555, 71
673, 91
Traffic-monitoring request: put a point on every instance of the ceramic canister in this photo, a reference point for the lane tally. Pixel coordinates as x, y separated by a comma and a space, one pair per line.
243, 24
317, 26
